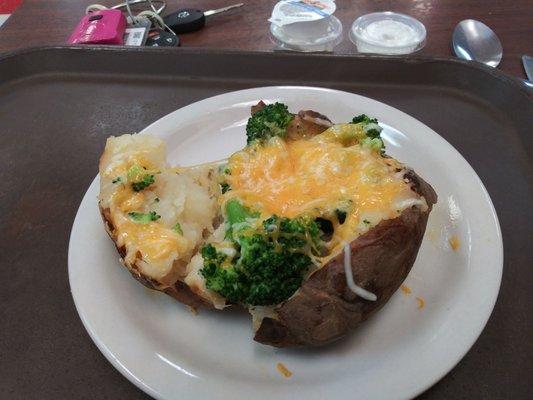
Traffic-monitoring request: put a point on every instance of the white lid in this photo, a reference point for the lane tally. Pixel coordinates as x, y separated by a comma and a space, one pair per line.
387, 33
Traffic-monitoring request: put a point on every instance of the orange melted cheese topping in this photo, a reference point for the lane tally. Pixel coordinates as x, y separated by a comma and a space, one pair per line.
126, 200
316, 176
157, 244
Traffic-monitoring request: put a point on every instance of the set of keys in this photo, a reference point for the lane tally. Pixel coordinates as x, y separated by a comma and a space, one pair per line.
182, 21
102, 25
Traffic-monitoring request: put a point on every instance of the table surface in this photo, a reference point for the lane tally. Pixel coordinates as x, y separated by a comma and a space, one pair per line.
38, 23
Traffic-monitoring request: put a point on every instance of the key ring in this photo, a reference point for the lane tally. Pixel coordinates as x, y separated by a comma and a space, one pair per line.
133, 2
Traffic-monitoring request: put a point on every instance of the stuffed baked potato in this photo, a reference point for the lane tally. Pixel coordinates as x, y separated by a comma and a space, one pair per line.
311, 226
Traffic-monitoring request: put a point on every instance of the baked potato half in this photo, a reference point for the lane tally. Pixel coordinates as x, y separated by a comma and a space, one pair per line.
311, 226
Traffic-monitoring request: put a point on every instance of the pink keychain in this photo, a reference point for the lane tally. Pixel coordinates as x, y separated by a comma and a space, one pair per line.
100, 27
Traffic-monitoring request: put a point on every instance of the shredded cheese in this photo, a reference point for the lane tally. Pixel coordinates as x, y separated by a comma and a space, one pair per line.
283, 370
454, 243
421, 302
406, 289
365, 294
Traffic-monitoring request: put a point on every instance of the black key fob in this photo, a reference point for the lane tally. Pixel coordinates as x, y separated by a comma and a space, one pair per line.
162, 39
185, 20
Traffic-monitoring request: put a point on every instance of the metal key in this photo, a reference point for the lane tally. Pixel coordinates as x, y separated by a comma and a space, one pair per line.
192, 19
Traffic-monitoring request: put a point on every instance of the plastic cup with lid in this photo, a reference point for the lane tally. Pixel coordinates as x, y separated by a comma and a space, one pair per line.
305, 25
388, 33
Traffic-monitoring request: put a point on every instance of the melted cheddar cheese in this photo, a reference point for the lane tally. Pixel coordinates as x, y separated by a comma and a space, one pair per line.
126, 200
157, 244
314, 177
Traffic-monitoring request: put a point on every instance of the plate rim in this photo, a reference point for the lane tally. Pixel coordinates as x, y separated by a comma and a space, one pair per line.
141, 384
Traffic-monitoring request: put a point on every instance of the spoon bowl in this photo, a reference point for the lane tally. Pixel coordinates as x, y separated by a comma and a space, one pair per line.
473, 40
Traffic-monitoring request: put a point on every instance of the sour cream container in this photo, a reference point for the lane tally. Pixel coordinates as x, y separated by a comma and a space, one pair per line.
305, 25
388, 33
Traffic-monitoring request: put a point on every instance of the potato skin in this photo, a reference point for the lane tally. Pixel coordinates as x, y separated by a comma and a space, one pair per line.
324, 309
179, 290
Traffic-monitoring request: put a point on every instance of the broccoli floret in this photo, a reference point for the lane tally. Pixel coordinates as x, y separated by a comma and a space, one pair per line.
118, 179
370, 125
272, 275
374, 144
146, 181
372, 131
271, 121
237, 213
365, 119
140, 178
270, 263
222, 280
141, 218
296, 233
237, 216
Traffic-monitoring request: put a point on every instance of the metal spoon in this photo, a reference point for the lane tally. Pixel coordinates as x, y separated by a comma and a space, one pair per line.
473, 40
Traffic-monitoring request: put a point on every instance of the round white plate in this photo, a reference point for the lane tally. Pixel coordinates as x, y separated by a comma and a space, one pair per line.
168, 352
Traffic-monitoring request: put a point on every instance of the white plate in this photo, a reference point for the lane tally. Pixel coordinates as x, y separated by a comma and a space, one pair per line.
169, 353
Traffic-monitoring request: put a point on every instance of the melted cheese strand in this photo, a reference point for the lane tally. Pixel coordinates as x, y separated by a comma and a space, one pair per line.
365, 294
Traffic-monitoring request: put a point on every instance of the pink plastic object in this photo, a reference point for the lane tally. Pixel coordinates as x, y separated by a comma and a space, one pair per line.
100, 27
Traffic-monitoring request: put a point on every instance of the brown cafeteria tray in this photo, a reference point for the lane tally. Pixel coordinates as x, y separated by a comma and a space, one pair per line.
58, 105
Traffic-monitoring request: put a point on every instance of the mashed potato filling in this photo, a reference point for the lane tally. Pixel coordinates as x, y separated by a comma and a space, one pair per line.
313, 177
162, 223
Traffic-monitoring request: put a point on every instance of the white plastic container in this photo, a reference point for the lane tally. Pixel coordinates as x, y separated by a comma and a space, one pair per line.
388, 33
305, 25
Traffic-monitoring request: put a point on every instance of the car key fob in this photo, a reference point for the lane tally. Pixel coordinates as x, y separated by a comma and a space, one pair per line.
161, 38
185, 20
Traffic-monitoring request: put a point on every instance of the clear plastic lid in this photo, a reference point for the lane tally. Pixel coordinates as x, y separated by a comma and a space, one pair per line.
320, 35
388, 33
305, 25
